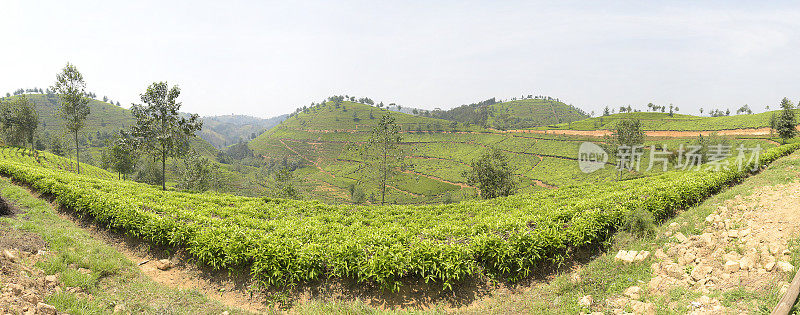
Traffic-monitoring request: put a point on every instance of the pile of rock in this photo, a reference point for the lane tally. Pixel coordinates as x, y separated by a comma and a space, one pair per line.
23, 288
729, 253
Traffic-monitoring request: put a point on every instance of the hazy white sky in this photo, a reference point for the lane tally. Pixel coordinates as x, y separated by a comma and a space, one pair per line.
267, 58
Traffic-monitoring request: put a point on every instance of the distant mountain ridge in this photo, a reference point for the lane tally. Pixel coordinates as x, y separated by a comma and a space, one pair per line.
224, 130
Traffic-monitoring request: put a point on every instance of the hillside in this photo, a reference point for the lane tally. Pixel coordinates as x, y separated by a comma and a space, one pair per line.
528, 113
439, 155
104, 120
507, 238
514, 114
222, 131
678, 122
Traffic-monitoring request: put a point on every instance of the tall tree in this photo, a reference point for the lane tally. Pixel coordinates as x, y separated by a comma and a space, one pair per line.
159, 128
120, 156
19, 120
492, 175
71, 90
786, 123
382, 155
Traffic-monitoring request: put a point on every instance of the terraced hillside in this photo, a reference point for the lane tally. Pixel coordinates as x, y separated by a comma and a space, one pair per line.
528, 113
284, 242
516, 114
105, 119
439, 154
678, 122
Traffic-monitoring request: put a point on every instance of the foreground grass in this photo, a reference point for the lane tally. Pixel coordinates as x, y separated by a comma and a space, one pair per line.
114, 280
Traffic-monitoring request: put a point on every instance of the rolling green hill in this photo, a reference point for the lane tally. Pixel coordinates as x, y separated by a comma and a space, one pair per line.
528, 113
321, 137
104, 120
662, 121
514, 114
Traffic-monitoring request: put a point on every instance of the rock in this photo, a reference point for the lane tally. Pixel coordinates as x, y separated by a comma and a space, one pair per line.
700, 272
746, 263
674, 225
84, 271
744, 233
119, 308
687, 258
733, 234
642, 255
31, 298
769, 266
660, 255
674, 270
707, 239
731, 266
9, 255
732, 256
45, 309
15, 288
643, 308
774, 248
50, 280
585, 301
655, 268
224, 313
656, 283
680, 237
633, 292
626, 256
785, 266
164, 264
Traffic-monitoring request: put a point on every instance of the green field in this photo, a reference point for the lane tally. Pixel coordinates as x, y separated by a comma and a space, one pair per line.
322, 135
679, 122
287, 241
529, 113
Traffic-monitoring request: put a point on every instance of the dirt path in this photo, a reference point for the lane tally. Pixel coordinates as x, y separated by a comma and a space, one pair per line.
231, 289
653, 133
462, 185
596, 133
307, 159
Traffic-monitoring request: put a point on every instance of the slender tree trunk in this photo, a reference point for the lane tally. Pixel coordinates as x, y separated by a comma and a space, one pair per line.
385, 175
164, 169
77, 153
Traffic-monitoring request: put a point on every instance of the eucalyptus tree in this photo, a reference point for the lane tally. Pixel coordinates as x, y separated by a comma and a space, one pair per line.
19, 121
786, 123
71, 90
160, 130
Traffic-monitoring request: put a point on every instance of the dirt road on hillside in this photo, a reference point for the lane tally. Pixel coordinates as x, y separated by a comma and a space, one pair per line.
654, 133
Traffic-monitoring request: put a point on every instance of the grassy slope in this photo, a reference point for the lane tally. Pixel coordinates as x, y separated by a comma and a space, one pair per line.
104, 117
530, 113
662, 121
439, 158
311, 134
